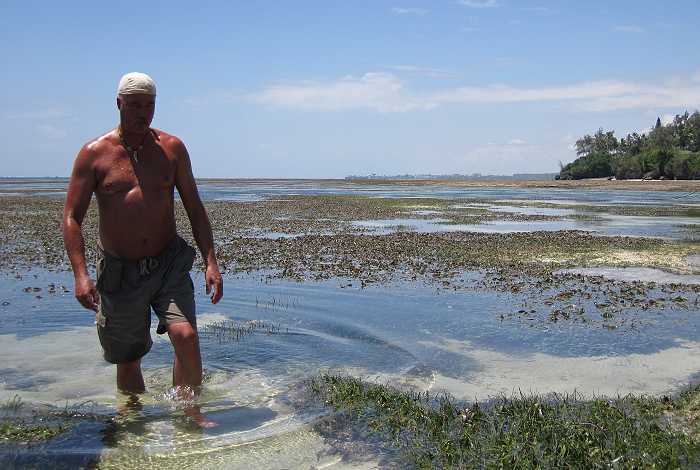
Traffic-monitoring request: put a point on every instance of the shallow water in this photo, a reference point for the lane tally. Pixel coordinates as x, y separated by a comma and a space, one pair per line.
406, 334
637, 274
252, 190
547, 211
608, 225
470, 342
499, 200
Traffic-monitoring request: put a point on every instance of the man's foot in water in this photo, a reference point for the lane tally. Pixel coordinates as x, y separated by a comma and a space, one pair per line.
186, 396
195, 414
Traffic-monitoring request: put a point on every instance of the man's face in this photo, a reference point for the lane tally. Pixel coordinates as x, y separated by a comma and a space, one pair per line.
136, 112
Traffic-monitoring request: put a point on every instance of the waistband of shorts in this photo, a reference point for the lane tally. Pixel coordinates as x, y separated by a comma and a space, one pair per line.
173, 246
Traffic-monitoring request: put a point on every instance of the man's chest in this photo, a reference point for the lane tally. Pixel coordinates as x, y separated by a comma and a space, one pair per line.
153, 172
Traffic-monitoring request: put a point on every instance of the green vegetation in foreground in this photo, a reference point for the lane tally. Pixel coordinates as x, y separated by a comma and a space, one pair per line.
670, 151
17, 429
22, 431
554, 431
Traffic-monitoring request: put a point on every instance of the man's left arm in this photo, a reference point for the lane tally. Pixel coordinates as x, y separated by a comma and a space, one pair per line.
201, 228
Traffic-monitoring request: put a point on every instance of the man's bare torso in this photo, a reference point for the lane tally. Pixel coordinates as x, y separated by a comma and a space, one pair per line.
135, 198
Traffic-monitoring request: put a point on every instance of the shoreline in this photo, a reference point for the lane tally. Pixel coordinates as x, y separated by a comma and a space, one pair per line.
591, 183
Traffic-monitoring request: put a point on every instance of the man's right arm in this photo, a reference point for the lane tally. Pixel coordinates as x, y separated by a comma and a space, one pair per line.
82, 185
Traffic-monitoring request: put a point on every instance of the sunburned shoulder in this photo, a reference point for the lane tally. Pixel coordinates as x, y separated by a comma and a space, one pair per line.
99, 144
167, 139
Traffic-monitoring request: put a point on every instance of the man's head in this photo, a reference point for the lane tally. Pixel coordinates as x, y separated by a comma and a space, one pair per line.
136, 100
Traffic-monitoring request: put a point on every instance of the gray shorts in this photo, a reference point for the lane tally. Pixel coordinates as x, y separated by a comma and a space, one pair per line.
129, 289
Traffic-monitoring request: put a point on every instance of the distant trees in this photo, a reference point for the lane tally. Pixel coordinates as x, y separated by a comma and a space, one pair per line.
592, 165
667, 151
600, 142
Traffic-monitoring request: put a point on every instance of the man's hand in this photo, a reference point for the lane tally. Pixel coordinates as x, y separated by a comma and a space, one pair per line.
86, 293
214, 283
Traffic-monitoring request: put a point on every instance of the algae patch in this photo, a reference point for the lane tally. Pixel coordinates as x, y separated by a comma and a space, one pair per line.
21, 429
525, 431
27, 431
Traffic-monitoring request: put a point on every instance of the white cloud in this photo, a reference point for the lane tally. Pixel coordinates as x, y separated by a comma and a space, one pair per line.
385, 92
425, 71
381, 92
649, 97
507, 94
628, 28
479, 3
409, 11
517, 142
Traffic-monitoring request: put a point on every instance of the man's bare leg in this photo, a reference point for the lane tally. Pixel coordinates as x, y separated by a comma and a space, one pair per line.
187, 368
129, 377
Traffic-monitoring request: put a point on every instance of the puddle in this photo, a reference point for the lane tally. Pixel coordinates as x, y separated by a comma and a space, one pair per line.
259, 233
427, 212
524, 210
387, 226
693, 261
652, 227
504, 226
660, 227
636, 274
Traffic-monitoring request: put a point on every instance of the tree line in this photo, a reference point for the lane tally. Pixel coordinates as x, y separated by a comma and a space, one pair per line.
670, 151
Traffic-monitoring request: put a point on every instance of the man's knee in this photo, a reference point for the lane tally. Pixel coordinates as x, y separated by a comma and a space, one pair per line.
183, 334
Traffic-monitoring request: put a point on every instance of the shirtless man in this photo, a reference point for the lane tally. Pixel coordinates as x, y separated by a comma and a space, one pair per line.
143, 264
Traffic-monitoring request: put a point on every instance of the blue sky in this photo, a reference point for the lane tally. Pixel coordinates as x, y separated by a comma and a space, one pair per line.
330, 88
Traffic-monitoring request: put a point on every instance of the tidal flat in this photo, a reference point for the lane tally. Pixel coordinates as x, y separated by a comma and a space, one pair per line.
337, 298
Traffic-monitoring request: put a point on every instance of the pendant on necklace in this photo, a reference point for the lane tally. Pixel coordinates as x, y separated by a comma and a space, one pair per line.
134, 152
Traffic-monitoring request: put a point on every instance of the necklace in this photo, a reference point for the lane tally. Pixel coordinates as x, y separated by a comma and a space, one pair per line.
134, 152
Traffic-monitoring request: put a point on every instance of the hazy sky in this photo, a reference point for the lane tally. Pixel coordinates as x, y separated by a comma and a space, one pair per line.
330, 88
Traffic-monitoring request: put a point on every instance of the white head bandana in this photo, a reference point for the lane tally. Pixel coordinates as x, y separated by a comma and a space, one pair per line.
136, 83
